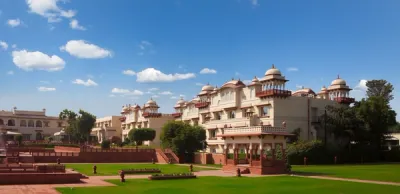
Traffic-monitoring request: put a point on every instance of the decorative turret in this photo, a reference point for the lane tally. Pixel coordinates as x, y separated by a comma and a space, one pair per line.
339, 91
273, 84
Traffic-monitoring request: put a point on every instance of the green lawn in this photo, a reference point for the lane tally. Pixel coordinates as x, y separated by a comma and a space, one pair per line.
209, 165
232, 185
379, 172
112, 169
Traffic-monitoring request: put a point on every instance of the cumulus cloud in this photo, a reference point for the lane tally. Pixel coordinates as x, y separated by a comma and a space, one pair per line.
14, 22
85, 50
174, 97
3, 45
45, 89
153, 89
292, 69
208, 71
89, 82
155, 96
49, 9
126, 92
154, 75
166, 93
37, 60
74, 24
362, 85
359, 91
129, 72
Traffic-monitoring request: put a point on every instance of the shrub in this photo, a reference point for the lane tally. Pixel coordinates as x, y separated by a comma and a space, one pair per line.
105, 144
18, 138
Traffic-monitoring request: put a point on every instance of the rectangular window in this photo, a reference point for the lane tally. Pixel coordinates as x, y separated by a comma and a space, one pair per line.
264, 110
231, 114
217, 116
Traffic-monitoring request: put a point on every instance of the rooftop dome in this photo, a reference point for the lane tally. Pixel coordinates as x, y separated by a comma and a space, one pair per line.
323, 88
151, 102
273, 71
255, 79
216, 88
180, 101
207, 87
339, 81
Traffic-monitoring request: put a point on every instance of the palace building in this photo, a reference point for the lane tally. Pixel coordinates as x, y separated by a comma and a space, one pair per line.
236, 111
107, 127
147, 116
32, 125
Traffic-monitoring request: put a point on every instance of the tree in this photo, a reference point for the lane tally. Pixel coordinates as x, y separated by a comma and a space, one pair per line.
295, 135
105, 144
79, 126
18, 138
141, 135
380, 88
183, 138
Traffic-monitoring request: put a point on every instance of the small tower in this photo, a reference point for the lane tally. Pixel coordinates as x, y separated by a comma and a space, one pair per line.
340, 92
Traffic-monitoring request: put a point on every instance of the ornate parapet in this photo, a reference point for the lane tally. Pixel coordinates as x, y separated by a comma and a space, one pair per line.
274, 93
177, 114
151, 114
344, 100
202, 104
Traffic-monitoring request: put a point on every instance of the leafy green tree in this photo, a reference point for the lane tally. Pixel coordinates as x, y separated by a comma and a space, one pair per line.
295, 135
106, 144
380, 88
183, 138
79, 126
18, 138
141, 135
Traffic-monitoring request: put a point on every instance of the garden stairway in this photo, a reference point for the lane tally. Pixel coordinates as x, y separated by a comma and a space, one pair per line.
166, 156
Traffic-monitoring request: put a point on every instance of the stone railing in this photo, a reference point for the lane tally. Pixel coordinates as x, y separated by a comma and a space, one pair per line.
255, 129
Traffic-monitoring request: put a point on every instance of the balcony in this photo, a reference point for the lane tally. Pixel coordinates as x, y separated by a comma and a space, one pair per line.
344, 100
274, 93
122, 119
202, 104
177, 114
151, 115
254, 130
212, 138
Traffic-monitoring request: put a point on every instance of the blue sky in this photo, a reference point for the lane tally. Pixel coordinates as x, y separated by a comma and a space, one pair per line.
58, 54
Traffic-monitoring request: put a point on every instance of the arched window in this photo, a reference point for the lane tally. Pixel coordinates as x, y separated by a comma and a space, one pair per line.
31, 123
232, 114
38, 123
1, 122
22, 123
11, 122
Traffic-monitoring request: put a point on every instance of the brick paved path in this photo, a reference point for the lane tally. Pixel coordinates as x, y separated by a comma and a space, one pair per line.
99, 181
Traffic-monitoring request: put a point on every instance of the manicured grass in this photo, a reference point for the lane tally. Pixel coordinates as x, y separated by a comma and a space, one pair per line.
232, 185
379, 172
112, 169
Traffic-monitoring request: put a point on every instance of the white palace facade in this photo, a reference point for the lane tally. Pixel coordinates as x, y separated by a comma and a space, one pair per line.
262, 107
147, 116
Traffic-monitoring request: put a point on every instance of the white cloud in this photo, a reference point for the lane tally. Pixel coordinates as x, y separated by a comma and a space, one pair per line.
292, 69
126, 92
362, 85
89, 82
181, 95
153, 89
199, 84
359, 91
45, 89
74, 24
144, 45
129, 72
299, 86
14, 22
166, 93
174, 97
155, 96
154, 75
10, 72
3, 45
85, 50
208, 71
254, 2
49, 9
14, 46
27, 60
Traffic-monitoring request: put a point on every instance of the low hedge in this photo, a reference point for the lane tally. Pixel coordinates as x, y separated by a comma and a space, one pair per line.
172, 176
46, 145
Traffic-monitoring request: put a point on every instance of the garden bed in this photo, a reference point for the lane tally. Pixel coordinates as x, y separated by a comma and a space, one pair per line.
172, 176
142, 170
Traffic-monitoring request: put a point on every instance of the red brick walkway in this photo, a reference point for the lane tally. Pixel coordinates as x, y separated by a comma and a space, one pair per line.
99, 181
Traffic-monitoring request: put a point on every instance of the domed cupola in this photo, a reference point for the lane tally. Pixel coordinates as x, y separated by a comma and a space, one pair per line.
206, 89
254, 82
339, 91
151, 103
273, 84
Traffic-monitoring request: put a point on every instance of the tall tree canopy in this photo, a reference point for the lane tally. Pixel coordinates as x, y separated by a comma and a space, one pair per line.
141, 135
380, 88
79, 126
369, 120
183, 138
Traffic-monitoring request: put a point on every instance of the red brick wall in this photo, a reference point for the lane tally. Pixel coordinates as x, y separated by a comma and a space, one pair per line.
38, 178
207, 158
29, 149
97, 157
